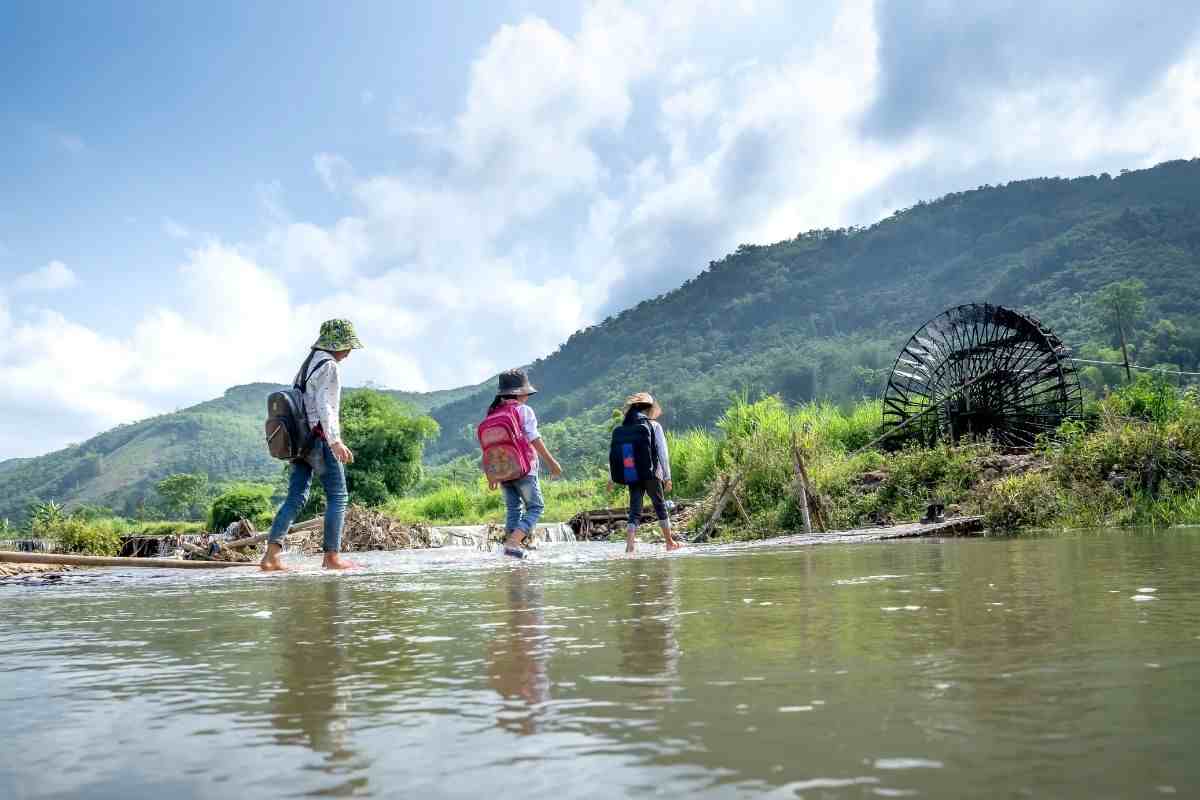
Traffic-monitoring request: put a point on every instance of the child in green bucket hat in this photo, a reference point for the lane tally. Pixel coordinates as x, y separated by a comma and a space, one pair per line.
328, 456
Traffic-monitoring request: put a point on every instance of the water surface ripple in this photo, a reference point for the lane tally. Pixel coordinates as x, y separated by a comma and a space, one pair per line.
1043, 667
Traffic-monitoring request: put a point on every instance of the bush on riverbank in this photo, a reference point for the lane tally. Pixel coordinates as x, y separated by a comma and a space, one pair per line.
73, 534
250, 501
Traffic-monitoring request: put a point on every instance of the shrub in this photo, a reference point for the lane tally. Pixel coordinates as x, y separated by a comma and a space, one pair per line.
1031, 500
74, 535
251, 501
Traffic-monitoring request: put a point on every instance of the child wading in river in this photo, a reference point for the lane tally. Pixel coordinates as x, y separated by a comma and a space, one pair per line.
511, 447
638, 459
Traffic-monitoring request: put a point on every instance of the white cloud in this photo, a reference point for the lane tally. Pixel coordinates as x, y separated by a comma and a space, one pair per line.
585, 170
51, 278
334, 170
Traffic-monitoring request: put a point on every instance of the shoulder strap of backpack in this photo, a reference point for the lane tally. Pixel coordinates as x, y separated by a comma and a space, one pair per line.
653, 443
305, 373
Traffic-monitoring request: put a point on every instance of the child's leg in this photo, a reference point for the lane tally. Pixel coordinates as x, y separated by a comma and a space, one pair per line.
512, 509
655, 490
637, 492
530, 488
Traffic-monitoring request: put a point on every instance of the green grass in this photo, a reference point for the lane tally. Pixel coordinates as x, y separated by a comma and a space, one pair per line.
473, 503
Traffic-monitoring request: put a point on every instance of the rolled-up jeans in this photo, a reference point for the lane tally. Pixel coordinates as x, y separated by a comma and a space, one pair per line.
527, 493
333, 478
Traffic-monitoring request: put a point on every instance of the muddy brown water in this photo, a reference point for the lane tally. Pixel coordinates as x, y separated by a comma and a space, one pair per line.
1061, 666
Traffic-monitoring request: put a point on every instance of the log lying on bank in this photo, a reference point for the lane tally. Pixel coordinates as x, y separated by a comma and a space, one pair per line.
64, 559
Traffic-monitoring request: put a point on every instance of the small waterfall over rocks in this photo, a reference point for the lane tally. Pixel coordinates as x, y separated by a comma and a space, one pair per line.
27, 545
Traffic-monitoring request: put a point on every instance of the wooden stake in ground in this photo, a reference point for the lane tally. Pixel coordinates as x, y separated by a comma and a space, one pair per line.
801, 483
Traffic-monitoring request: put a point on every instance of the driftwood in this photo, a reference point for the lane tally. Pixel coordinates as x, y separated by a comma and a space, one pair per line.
113, 561
810, 505
196, 552
599, 522
723, 495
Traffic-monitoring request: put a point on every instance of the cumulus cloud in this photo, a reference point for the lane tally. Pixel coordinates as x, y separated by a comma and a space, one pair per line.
51, 278
591, 167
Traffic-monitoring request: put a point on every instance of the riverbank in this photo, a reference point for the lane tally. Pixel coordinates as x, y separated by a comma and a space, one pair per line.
1132, 460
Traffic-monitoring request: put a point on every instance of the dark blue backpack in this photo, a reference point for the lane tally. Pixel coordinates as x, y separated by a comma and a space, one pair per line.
632, 455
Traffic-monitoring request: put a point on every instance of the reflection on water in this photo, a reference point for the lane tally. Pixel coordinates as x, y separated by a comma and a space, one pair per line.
518, 652
311, 706
1055, 667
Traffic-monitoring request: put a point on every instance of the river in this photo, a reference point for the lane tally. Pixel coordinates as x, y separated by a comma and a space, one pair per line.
1060, 666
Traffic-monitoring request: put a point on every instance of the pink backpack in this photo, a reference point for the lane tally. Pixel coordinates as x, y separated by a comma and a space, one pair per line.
507, 456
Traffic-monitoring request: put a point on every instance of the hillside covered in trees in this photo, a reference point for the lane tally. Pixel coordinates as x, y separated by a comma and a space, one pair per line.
818, 316
823, 315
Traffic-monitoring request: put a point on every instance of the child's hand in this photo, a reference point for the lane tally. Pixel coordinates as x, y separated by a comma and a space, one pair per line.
492, 485
610, 487
555, 471
667, 485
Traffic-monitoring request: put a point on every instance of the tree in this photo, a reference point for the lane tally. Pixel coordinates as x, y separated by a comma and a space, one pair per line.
388, 440
1122, 303
250, 501
183, 492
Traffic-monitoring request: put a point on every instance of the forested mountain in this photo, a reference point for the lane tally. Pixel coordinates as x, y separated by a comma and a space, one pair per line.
818, 316
824, 314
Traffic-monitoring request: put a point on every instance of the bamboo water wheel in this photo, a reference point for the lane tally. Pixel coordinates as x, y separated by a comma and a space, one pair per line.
981, 371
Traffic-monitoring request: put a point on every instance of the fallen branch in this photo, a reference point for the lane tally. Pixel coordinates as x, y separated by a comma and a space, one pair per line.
727, 487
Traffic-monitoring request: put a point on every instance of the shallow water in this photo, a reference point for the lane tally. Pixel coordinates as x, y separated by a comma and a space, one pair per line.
1043, 667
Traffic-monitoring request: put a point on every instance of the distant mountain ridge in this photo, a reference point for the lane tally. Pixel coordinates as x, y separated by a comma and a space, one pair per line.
118, 469
818, 316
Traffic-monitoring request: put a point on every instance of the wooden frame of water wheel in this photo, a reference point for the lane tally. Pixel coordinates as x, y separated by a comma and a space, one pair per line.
981, 371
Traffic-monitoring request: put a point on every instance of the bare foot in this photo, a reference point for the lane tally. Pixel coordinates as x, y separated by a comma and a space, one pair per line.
674, 544
272, 560
335, 561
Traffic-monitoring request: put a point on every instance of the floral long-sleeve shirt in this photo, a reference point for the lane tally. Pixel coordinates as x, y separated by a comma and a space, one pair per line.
323, 396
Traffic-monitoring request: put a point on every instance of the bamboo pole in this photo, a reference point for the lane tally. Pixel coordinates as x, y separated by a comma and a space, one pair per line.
106, 561
801, 483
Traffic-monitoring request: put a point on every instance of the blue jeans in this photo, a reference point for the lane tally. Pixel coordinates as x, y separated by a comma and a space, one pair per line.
333, 479
525, 491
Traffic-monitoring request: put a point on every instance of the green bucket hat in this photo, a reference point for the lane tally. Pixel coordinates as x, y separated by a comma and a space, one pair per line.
337, 334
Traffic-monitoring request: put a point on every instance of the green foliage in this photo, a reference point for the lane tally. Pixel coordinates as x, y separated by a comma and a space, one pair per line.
166, 528
74, 535
250, 501
1015, 502
45, 514
1122, 303
474, 503
387, 440
183, 492
1150, 397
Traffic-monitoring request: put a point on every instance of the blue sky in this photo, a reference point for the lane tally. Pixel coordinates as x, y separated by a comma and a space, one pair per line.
188, 189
